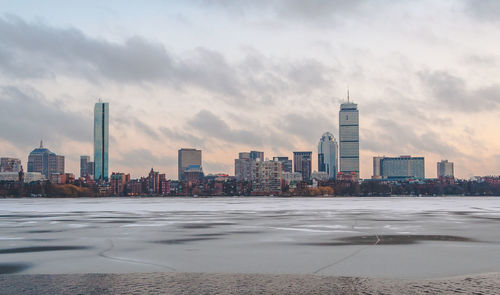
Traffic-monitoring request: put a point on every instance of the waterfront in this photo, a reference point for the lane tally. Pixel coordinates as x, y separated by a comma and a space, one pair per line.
397, 237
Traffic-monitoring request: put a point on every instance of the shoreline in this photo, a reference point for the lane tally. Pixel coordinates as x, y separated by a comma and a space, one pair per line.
239, 283
258, 197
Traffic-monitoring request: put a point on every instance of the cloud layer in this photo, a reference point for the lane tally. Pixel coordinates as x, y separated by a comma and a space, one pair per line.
269, 75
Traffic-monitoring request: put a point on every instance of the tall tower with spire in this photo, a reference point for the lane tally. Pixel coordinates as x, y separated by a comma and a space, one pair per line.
349, 137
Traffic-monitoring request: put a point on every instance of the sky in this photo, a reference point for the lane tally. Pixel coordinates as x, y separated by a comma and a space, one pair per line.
233, 76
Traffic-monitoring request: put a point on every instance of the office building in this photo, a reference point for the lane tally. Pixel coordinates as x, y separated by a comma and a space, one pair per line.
10, 165
401, 168
187, 157
445, 169
243, 167
101, 140
193, 173
302, 164
46, 162
349, 138
286, 164
291, 177
86, 166
327, 155
254, 155
376, 167
266, 176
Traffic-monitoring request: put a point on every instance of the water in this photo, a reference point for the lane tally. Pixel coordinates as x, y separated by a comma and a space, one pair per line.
376, 237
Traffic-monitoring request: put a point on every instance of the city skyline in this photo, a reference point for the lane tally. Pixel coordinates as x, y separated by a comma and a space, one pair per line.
420, 89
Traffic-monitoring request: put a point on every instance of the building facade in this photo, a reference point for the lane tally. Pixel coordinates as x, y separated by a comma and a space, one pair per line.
402, 168
266, 176
376, 167
186, 158
254, 155
243, 167
302, 164
119, 183
101, 140
46, 162
286, 164
327, 155
193, 173
349, 138
10, 165
445, 169
86, 166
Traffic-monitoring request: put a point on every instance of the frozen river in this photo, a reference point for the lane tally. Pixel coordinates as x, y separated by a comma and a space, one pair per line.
376, 237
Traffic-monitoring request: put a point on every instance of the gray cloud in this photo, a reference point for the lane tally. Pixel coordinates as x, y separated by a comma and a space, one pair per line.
181, 135
210, 125
27, 116
483, 10
393, 137
315, 12
308, 127
144, 158
146, 129
452, 92
36, 50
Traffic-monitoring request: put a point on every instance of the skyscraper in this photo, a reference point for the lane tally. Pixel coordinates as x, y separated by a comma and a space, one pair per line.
101, 140
327, 155
302, 164
187, 158
349, 138
44, 161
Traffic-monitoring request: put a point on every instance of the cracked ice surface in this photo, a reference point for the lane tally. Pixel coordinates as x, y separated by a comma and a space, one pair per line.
378, 237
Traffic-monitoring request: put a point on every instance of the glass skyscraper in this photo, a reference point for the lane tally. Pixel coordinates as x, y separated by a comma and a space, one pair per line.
101, 140
327, 155
349, 138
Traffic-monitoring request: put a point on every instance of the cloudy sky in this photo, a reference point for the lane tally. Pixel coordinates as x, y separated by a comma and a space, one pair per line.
231, 76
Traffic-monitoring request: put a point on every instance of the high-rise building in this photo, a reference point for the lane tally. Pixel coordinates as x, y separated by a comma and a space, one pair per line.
186, 158
302, 164
327, 155
101, 140
445, 169
84, 166
349, 138
46, 162
286, 164
401, 168
266, 176
376, 167
243, 167
254, 155
10, 165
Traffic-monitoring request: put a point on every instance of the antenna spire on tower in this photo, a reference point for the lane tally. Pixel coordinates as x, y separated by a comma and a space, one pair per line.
41, 144
347, 94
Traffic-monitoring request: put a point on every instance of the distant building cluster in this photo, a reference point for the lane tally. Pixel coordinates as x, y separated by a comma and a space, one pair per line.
338, 162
